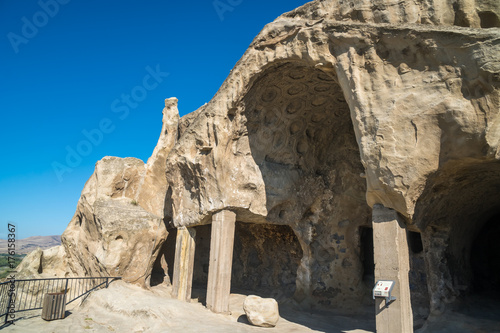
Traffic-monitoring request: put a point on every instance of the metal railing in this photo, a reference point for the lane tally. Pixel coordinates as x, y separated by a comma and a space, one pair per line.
25, 295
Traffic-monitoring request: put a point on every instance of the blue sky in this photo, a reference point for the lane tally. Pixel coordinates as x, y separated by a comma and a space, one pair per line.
81, 80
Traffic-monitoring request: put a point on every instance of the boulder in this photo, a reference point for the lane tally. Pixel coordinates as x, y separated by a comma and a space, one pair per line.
30, 267
260, 311
46, 263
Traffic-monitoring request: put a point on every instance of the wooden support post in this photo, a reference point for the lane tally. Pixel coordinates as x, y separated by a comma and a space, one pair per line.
221, 260
183, 263
392, 262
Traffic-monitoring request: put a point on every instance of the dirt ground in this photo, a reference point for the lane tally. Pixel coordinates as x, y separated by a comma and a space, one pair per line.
128, 308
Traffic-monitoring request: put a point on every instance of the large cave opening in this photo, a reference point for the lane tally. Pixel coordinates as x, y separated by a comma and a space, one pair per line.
485, 259
458, 214
302, 139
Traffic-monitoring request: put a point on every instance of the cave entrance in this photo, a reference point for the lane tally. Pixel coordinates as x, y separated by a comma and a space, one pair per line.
265, 260
163, 266
367, 255
485, 259
302, 139
201, 262
418, 279
458, 214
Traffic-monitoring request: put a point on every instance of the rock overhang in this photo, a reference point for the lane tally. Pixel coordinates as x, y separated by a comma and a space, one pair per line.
361, 58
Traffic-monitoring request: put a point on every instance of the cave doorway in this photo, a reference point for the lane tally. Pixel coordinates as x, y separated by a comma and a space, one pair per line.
201, 262
418, 279
480, 298
485, 259
367, 255
163, 267
265, 260
458, 214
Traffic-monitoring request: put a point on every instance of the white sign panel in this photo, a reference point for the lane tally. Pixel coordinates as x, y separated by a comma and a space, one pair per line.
383, 288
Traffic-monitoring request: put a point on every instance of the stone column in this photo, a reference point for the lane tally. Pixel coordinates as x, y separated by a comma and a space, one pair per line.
183, 263
392, 262
221, 260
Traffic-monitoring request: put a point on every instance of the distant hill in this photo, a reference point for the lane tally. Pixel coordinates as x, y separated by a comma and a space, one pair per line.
26, 245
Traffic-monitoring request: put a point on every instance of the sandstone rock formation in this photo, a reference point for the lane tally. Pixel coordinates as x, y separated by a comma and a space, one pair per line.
261, 311
338, 106
335, 107
118, 226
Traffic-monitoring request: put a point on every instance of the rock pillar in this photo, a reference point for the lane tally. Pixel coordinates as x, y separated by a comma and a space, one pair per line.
392, 262
221, 259
183, 263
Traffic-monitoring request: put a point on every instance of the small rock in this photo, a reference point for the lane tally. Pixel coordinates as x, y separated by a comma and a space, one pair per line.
261, 311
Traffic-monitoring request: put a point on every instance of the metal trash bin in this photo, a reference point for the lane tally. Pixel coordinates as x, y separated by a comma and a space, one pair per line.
54, 306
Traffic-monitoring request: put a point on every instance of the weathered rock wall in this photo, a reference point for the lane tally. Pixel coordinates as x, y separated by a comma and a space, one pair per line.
464, 13
322, 119
407, 90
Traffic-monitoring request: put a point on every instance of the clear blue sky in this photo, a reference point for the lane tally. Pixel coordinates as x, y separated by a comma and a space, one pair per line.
67, 66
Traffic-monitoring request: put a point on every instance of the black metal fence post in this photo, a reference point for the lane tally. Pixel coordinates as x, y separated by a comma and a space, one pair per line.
8, 304
66, 288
